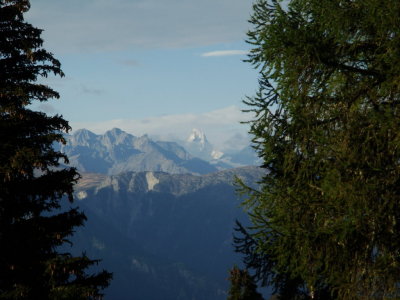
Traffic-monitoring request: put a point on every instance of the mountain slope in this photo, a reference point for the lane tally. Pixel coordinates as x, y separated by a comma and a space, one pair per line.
183, 225
138, 274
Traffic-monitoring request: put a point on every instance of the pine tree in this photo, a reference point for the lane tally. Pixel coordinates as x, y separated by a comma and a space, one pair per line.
327, 126
243, 286
32, 185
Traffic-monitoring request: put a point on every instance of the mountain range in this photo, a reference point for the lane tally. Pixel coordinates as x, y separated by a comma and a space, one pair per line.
116, 151
165, 236
159, 217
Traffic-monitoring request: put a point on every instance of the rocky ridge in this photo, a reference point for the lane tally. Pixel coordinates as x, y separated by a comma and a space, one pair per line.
117, 151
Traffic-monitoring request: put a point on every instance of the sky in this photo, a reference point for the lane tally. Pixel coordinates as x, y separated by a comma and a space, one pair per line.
157, 67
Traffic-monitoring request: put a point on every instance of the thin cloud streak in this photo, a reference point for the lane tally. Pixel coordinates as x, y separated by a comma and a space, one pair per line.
87, 90
224, 53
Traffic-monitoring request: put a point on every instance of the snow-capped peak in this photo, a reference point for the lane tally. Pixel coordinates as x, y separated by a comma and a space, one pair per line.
197, 136
198, 145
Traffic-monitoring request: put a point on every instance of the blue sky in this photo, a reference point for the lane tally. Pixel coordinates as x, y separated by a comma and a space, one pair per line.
159, 67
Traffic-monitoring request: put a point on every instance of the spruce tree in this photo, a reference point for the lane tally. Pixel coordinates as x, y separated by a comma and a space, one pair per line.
33, 186
327, 126
242, 286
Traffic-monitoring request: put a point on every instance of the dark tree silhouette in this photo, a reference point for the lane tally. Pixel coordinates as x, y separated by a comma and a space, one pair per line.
242, 286
32, 185
327, 126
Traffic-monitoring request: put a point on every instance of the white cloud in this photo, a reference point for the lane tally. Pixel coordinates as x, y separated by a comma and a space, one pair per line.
102, 25
218, 125
225, 53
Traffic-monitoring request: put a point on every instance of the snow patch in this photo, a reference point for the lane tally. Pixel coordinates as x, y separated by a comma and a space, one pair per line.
216, 154
197, 136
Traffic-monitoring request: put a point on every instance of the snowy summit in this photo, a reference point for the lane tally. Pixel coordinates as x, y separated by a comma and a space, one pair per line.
197, 136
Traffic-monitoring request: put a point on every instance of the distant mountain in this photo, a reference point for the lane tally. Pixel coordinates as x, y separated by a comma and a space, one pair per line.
246, 156
117, 151
198, 145
165, 236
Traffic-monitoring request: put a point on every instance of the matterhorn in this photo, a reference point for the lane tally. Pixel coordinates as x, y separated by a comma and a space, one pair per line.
198, 145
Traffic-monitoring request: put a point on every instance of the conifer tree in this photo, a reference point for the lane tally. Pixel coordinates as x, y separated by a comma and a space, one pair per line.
327, 126
243, 286
32, 185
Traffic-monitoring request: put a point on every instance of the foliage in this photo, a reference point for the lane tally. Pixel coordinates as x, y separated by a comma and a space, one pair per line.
327, 126
32, 223
242, 286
